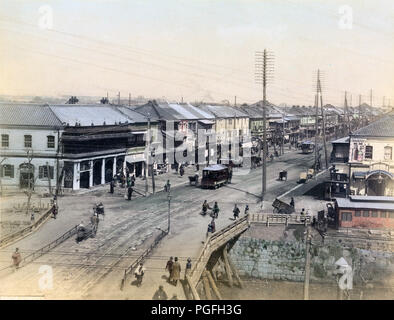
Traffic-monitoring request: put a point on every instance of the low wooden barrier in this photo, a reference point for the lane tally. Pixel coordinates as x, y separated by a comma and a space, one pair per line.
273, 218
7, 240
141, 258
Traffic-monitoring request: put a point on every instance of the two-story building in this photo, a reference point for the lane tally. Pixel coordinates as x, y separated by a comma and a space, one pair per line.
231, 125
30, 153
96, 141
371, 163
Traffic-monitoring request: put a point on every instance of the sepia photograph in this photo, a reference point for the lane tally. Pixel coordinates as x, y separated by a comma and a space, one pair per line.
210, 151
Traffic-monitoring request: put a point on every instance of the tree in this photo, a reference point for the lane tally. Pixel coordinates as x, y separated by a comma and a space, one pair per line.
72, 100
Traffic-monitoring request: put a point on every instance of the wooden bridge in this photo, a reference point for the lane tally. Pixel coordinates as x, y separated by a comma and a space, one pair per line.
214, 254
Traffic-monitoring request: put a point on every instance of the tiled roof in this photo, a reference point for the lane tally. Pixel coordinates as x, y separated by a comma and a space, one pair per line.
86, 115
134, 117
384, 127
224, 111
28, 115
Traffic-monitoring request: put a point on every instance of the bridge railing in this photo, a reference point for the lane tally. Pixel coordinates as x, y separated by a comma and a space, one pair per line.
21, 233
141, 258
38, 253
212, 243
273, 218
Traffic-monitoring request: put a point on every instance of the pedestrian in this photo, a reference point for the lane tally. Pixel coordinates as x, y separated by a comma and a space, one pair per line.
215, 210
160, 294
169, 268
139, 274
16, 259
246, 210
303, 212
128, 181
211, 227
129, 193
111, 186
292, 202
236, 212
132, 180
188, 268
94, 220
175, 271
205, 207
197, 167
54, 210
181, 171
32, 217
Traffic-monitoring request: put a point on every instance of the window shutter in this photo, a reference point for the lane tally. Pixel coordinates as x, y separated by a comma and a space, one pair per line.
1, 170
51, 172
41, 172
12, 171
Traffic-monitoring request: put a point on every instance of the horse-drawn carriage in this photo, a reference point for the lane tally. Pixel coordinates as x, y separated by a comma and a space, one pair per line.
194, 179
283, 175
282, 207
84, 232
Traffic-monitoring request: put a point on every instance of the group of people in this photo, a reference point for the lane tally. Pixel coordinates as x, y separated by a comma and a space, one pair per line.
128, 181
173, 268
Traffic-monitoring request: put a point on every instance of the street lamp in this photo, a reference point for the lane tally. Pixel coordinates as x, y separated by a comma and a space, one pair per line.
168, 189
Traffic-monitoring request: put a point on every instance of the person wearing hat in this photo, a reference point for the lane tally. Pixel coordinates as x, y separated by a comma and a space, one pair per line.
169, 267
16, 258
175, 272
139, 274
160, 294
188, 268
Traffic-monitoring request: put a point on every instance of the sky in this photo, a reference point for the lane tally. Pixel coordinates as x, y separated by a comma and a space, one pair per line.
198, 50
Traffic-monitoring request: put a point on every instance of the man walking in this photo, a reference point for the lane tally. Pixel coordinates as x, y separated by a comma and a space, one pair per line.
236, 212
188, 268
111, 186
16, 259
175, 271
215, 210
139, 274
129, 192
169, 268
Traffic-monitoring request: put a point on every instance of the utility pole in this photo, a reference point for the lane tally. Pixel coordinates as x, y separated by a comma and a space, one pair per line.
307, 263
282, 149
151, 165
129, 99
316, 130
235, 101
29, 192
370, 98
118, 98
168, 188
147, 146
347, 114
263, 66
323, 119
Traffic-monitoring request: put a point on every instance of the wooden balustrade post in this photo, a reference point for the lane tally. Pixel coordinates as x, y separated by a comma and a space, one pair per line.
227, 267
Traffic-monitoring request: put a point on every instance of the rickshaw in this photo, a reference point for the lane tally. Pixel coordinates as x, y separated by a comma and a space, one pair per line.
283, 175
282, 207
